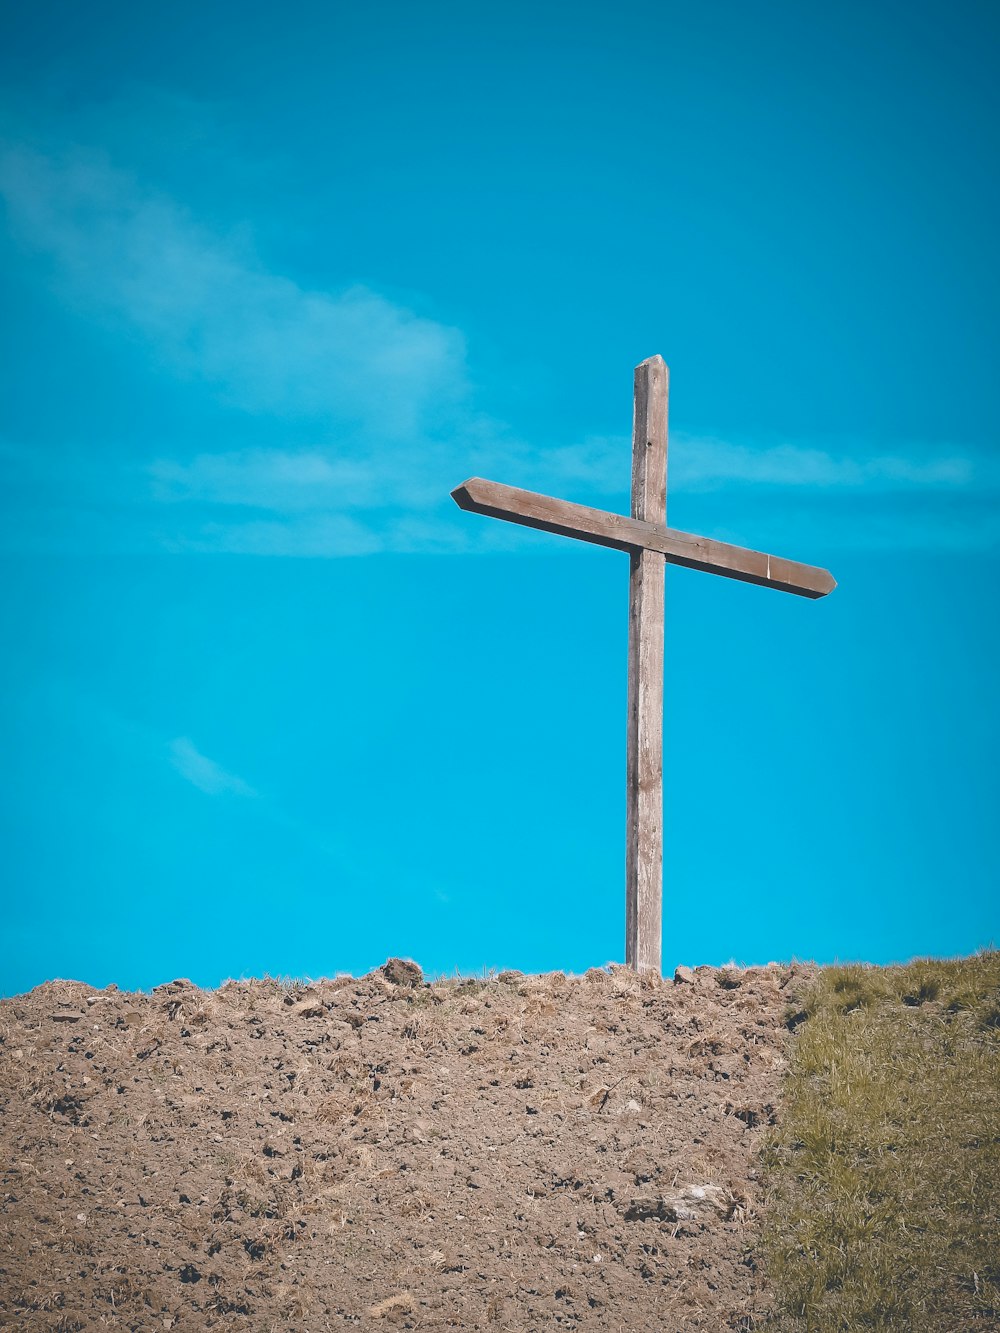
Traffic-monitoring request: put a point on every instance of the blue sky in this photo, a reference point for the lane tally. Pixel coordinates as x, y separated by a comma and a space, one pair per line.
276, 279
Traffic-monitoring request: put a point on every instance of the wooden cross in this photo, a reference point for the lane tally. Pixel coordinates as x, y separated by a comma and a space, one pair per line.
650, 545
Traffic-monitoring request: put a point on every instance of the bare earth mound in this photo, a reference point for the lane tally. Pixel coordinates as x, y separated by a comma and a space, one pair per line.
509, 1153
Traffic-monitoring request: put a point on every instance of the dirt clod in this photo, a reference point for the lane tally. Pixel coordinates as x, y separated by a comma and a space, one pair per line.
402, 972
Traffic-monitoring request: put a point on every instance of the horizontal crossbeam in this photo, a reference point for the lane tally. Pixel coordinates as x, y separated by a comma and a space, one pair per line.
630, 534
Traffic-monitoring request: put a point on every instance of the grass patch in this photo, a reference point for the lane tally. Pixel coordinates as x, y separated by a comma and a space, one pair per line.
884, 1172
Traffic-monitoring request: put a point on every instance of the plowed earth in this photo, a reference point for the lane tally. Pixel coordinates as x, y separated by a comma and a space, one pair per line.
516, 1153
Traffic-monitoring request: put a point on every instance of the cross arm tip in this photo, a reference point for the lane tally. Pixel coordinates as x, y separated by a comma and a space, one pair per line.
461, 494
821, 583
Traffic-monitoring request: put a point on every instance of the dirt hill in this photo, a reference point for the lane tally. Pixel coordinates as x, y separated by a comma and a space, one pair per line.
513, 1153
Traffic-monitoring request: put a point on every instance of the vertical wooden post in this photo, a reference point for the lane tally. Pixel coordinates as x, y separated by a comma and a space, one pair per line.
644, 828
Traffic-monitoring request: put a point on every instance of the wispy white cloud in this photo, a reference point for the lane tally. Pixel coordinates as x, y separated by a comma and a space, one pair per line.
704, 462
291, 481
305, 534
773, 496
327, 535
287, 482
207, 306
707, 464
382, 396
205, 773
267, 479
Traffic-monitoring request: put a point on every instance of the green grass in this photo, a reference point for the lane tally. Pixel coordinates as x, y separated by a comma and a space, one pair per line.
884, 1172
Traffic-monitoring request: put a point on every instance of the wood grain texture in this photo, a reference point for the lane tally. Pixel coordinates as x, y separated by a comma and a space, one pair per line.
644, 763
644, 535
603, 528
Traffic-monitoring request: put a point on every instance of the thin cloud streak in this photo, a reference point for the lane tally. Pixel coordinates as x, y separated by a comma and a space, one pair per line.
286, 482
205, 773
384, 394
211, 311
707, 464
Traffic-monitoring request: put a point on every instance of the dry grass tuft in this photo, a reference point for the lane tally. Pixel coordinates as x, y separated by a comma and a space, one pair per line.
399, 1304
884, 1174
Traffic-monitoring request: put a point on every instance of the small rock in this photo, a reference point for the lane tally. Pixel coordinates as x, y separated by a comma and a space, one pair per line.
402, 972
693, 1203
710, 1196
510, 977
683, 976
307, 1009
66, 1016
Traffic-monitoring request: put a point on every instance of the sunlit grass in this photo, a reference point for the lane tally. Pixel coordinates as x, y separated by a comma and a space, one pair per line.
884, 1172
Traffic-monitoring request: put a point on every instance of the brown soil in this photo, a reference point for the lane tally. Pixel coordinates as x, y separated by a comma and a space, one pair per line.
504, 1154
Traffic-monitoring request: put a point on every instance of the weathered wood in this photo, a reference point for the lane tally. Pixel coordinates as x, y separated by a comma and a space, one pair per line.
650, 544
644, 785
603, 528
